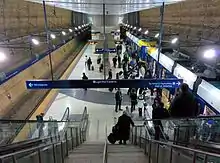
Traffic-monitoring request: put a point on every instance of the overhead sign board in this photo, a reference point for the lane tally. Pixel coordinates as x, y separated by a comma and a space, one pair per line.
65, 84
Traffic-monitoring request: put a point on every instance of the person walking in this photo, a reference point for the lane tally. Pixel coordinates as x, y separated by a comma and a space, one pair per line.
86, 60
110, 74
118, 99
114, 60
89, 63
84, 77
124, 123
133, 97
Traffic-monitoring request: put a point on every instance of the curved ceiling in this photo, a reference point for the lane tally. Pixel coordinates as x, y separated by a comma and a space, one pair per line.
113, 7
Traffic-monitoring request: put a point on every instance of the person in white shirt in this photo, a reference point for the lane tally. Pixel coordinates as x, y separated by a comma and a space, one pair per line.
86, 60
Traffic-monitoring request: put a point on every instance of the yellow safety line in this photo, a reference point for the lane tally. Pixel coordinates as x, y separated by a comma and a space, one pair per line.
48, 99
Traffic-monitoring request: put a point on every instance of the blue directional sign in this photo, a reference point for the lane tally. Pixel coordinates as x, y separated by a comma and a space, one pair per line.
65, 84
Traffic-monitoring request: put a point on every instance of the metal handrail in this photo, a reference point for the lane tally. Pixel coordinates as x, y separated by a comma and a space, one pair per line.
105, 152
67, 111
172, 146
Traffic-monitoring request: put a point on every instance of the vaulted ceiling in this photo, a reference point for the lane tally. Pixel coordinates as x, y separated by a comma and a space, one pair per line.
112, 7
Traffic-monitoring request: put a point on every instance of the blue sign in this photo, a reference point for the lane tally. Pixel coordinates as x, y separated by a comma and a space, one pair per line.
65, 84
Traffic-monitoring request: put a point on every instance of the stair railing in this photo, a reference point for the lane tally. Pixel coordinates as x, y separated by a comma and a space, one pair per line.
105, 152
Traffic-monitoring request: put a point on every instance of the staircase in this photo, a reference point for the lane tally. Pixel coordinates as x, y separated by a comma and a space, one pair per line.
90, 152
125, 154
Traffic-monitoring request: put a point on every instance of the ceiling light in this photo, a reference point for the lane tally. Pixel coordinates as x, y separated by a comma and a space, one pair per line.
53, 36
209, 54
2, 57
173, 41
146, 32
35, 41
70, 30
79, 27
157, 35
131, 26
139, 29
134, 28
63, 33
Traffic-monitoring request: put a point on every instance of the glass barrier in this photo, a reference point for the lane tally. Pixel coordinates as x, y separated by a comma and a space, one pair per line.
51, 152
187, 131
165, 152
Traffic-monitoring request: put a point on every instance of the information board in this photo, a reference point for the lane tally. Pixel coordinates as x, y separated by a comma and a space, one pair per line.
65, 84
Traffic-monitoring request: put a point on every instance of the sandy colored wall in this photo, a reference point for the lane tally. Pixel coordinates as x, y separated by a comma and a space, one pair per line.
14, 89
193, 20
19, 18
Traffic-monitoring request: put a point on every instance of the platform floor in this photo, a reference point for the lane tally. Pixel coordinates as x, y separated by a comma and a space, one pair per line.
99, 102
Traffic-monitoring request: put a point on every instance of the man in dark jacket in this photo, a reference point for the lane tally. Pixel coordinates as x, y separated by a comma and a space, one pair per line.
123, 124
84, 77
118, 99
184, 105
133, 96
110, 74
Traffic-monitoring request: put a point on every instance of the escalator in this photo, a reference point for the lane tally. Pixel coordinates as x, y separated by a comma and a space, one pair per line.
46, 133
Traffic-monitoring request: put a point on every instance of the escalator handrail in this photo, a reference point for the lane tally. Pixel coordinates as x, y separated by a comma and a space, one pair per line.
67, 111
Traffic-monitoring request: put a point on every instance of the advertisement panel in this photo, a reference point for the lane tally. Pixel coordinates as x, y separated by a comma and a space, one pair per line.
210, 94
182, 73
166, 62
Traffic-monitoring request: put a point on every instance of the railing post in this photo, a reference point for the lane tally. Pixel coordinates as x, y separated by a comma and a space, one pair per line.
149, 152
77, 137
135, 141
140, 137
54, 154
158, 149
14, 159
145, 143
39, 156
171, 154
67, 149
62, 154
71, 130
194, 157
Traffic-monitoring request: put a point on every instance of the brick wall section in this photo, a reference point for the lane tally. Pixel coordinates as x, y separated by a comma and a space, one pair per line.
193, 20
19, 18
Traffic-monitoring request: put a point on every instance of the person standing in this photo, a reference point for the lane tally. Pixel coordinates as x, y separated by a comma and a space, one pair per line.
84, 77
133, 97
40, 124
110, 74
124, 123
184, 105
89, 63
118, 99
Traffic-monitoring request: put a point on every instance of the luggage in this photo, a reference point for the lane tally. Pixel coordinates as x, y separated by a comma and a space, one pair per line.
111, 138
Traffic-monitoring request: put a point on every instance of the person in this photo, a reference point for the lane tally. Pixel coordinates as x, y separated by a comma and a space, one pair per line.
89, 63
40, 123
184, 105
84, 77
114, 60
124, 123
117, 76
86, 60
110, 74
99, 59
50, 126
158, 112
118, 99
101, 67
119, 61
133, 97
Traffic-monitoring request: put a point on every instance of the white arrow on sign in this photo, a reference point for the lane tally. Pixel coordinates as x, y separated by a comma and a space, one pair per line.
30, 84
